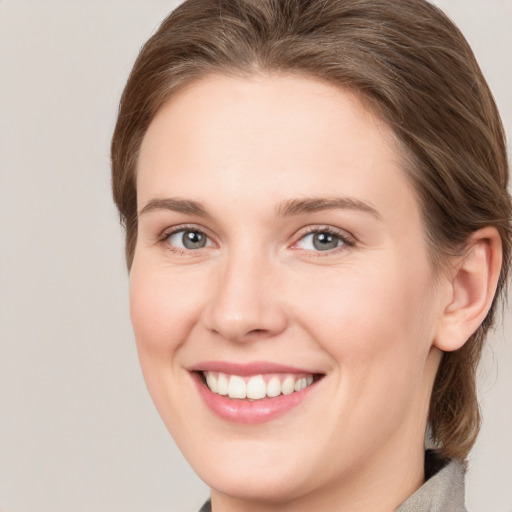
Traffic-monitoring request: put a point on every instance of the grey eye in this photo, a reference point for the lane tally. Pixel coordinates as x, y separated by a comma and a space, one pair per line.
320, 241
188, 239
325, 241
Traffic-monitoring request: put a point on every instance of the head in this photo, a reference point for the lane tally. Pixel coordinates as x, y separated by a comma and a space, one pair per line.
406, 65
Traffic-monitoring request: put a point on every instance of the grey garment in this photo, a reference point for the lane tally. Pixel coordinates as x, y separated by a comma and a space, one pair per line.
206, 507
442, 492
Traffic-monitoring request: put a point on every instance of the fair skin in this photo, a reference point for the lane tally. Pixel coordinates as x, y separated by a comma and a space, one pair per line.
307, 251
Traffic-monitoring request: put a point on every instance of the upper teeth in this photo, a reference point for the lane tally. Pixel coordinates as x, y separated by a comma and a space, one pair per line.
257, 386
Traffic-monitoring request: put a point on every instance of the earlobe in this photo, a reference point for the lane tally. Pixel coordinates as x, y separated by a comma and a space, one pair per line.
472, 288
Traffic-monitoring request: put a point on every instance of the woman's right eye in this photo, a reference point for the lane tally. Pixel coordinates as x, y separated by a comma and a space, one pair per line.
188, 239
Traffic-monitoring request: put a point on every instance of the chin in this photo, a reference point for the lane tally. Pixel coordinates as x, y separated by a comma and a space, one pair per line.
278, 485
250, 470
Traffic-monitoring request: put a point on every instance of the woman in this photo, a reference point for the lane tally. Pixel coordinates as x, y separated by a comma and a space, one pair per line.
318, 233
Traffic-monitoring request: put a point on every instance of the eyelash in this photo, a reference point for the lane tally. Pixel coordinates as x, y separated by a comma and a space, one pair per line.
177, 229
345, 239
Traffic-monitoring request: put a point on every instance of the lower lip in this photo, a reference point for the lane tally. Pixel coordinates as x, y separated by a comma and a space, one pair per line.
246, 412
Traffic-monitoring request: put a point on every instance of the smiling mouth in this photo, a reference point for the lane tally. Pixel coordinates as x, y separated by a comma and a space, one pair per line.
257, 387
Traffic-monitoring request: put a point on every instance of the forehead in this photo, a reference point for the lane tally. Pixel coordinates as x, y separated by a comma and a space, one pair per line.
270, 135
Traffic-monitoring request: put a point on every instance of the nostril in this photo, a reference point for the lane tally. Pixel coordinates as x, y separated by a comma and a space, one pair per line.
243, 320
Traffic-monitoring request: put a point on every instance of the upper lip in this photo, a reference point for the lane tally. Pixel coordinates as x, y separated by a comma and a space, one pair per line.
246, 369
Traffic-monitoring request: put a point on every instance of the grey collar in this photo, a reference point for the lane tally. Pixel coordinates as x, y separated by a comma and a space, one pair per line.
443, 491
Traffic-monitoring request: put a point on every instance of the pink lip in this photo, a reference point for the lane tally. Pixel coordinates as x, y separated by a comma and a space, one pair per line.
244, 411
246, 369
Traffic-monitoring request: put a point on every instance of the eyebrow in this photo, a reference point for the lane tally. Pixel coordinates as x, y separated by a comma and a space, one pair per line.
285, 209
308, 205
175, 205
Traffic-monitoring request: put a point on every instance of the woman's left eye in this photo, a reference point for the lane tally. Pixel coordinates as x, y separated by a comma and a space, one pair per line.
188, 239
323, 240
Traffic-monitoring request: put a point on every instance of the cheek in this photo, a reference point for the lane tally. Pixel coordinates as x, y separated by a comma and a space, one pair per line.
377, 314
162, 311
162, 307
376, 328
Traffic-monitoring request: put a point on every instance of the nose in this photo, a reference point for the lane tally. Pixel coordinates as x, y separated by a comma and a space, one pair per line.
245, 302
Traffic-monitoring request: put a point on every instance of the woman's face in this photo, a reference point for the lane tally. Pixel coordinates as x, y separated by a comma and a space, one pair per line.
280, 247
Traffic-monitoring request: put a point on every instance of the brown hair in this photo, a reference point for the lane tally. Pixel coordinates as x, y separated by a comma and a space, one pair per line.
414, 69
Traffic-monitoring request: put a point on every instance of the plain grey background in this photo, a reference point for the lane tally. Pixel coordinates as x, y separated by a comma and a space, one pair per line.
78, 431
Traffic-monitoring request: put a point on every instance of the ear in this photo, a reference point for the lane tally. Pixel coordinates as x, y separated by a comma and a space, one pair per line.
471, 288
